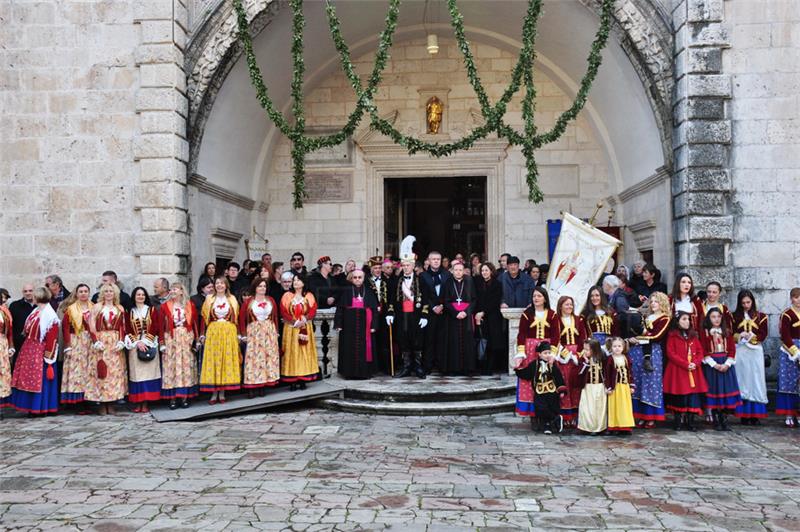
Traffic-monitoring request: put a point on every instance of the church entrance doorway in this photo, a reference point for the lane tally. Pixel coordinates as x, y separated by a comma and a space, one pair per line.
444, 213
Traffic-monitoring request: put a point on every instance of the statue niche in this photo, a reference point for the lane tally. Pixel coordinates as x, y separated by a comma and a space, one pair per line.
434, 110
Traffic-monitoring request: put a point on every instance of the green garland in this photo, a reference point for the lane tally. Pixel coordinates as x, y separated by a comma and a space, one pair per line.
529, 140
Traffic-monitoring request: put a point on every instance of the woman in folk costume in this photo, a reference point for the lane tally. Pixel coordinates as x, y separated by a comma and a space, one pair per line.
222, 359
258, 326
722, 397
683, 299
77, 337
178, 330
459, 305
569, 334
535, 326
619, 386
600, 319
144, 364
356, 320
593, 408
6, 352
750, 330
684, 383
108, 372
712, 301
34, 382
299, 363
788, 402
647, 359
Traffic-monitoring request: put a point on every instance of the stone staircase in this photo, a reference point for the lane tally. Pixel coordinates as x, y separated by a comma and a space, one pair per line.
435, 396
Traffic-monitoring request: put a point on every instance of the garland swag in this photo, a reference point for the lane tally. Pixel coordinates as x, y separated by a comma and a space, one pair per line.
522, 74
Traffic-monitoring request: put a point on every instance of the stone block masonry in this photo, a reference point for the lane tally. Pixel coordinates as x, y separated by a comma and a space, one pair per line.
93, 99
66, 138
701, 143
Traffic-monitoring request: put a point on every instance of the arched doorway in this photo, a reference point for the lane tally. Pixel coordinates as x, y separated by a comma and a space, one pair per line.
619, 150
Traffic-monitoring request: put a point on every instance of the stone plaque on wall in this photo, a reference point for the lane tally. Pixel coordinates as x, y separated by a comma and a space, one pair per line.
339, 155
329, 187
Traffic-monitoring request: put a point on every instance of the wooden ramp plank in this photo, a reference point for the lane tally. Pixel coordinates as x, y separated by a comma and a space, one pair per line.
239, 404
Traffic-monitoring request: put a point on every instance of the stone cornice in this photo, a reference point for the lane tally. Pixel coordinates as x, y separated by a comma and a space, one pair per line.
203, 185
661, 175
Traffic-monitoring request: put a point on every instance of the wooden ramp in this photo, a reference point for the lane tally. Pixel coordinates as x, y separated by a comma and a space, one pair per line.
240, 403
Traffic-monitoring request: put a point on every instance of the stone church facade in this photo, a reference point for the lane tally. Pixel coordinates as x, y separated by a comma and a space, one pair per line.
131, 139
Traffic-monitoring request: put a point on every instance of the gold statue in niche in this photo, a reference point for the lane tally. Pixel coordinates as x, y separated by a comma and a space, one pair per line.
433, 115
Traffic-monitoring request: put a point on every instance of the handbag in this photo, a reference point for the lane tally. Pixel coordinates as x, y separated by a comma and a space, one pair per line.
147, 356
482, 344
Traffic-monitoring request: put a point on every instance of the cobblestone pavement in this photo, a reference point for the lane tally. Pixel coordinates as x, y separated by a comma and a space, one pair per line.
317, 470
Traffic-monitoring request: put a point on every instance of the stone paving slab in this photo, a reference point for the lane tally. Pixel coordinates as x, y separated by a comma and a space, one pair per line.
299, 469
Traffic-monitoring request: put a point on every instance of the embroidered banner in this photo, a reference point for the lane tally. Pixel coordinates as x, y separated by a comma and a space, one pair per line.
581, 255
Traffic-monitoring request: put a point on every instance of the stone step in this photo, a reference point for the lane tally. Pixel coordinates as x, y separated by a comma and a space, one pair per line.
474, 407
433, 395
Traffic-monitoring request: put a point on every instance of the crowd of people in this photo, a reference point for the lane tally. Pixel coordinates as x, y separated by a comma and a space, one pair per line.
631, 355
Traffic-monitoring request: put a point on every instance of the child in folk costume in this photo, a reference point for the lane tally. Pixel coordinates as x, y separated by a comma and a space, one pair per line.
568, 334
647, 363
619, 385
593, 408
684, 383
222, 359
750, 330
258, 326
6, 352
299, 363
178, 330
548, 385
35, 379
600, 319
77, 338
718, 365
356, 320
144, 364
788, 402
108, 372
535, 326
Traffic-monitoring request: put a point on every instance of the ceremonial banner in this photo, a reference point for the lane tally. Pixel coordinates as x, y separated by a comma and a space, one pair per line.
581, 255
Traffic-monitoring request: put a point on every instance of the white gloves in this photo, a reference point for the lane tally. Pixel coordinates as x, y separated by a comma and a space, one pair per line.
11, 351
162, 348
389, 320
422, 323
120, 346
98, 345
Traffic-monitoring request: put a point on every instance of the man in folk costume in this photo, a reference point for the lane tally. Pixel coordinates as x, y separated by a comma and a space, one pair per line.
410, 308
355, 320
378, 283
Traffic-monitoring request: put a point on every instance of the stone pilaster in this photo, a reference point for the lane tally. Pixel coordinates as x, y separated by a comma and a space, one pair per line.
701, 187
161, 149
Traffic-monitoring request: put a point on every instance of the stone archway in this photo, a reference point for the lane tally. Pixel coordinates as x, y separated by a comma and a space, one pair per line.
642, 27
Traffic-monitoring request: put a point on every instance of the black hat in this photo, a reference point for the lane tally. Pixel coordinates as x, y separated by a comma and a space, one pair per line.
542, 347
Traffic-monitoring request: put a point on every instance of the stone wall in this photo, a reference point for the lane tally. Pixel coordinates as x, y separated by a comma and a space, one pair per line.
764, 65
92, 106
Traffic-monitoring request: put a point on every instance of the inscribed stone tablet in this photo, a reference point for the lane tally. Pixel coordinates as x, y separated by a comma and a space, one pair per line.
325, 187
